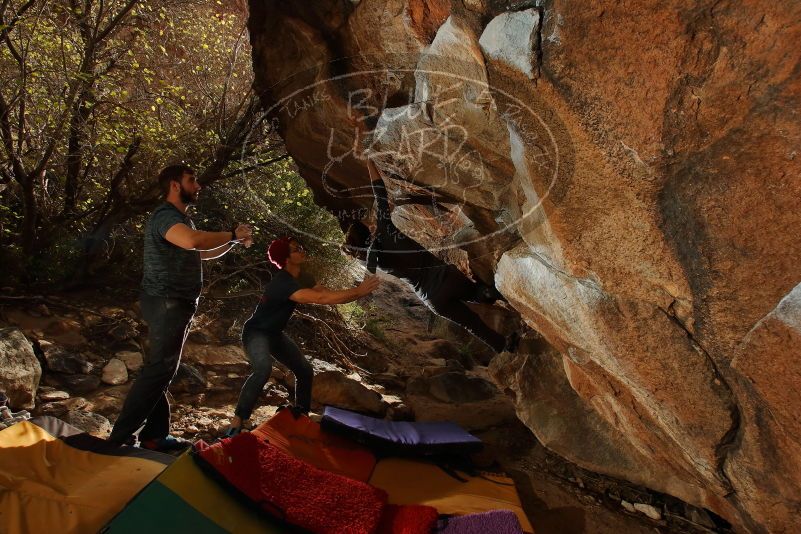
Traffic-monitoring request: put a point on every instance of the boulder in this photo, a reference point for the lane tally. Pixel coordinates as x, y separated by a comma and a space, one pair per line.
469, 415
629, 191
453, 387
511, 38
19, 369
115, 373
335, 389
469, 401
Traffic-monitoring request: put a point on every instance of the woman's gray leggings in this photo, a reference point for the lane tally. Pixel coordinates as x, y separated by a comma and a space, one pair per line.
260, 348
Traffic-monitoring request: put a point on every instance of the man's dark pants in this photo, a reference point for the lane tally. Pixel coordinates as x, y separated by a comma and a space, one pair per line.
168, 322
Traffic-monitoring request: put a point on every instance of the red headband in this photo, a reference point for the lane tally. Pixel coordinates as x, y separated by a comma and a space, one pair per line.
278, 251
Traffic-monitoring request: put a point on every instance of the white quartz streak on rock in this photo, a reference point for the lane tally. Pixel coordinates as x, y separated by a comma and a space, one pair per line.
565, 302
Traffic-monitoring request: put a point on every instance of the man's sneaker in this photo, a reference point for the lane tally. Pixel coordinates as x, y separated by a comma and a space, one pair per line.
165, 444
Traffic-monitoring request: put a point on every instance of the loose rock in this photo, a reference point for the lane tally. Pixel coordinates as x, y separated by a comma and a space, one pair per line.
188, 380
115, 372
133, 360
91, 423
628, 506
81, 383
51, 396
59, 408
61, 360
336, 389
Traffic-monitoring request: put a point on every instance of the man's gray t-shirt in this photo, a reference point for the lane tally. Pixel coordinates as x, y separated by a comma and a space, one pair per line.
169, 270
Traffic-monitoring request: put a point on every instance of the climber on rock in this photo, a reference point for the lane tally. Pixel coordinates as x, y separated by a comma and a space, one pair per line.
263, 334
440, 285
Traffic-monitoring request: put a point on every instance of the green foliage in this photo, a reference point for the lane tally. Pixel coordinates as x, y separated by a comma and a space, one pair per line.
353, 313
100, 113
367, 318
276, 202
375, 327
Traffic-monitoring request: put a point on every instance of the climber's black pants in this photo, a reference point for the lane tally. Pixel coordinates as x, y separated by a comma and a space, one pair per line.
168, 322
448, 300
261, 347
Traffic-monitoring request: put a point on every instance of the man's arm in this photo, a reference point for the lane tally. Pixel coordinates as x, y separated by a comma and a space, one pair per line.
323, 295
185, 237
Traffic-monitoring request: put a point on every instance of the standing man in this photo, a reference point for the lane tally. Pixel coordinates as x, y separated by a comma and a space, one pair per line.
170, 289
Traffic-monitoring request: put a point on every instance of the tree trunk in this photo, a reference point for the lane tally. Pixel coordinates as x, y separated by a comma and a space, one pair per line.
30, 219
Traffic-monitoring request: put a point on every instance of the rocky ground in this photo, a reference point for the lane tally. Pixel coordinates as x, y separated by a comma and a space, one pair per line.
75, 356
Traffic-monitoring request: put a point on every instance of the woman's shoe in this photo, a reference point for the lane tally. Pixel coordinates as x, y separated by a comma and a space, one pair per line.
232, 431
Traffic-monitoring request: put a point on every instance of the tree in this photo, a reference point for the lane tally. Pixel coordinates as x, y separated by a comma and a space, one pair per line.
96, 95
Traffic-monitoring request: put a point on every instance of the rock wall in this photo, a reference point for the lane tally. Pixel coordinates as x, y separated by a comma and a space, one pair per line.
627, 174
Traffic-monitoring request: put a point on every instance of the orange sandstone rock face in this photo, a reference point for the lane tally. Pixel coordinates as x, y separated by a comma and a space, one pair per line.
628, 175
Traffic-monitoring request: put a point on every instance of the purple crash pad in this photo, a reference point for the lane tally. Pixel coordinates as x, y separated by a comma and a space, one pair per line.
496, 521
400, 437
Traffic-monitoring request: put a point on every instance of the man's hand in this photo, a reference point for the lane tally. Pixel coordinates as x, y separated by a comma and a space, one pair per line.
368, 285
244, 233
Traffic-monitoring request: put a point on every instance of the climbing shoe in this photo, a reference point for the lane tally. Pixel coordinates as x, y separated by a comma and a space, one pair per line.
165, 444
487, 294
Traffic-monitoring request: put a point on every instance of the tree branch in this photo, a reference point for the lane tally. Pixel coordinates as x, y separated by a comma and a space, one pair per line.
254, 167
116, 20
8, 143
124, 171
7, 27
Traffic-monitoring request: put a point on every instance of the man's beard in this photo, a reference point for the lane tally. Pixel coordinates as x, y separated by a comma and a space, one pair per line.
187, 197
